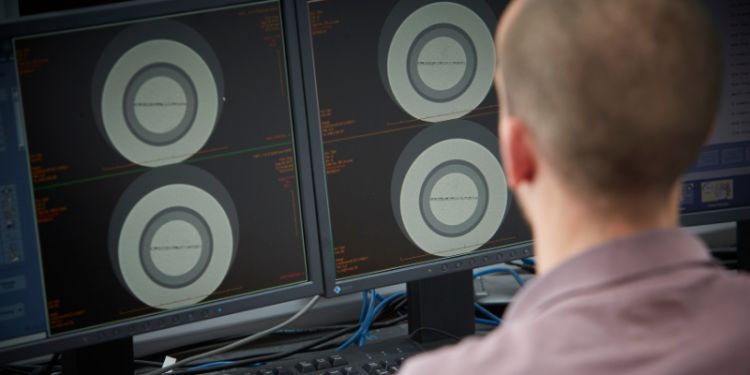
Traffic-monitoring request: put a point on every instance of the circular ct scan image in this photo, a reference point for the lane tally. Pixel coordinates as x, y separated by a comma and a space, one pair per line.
157, 93
437, 59
173, 236
449, 193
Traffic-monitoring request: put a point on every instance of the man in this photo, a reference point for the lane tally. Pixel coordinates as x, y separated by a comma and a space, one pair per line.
604, 104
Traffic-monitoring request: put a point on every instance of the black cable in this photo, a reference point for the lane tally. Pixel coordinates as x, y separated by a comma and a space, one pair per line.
400, 303
40, 369
390, 322
296, 331
440, 331
14, 370
192, 349
268, 357
189, 350
315, 345
47, 369
147, 363
336, 344
525, 267
242, 361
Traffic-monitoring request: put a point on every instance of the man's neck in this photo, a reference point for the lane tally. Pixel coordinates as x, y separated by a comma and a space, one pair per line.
565, 227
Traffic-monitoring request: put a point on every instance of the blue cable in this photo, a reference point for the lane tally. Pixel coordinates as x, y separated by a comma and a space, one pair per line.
369, 320
360, 330
487, 313
494, 320
376, 312
349, 341
370, 310
529, 261
211, 364
372, 313
510, 271
363, 309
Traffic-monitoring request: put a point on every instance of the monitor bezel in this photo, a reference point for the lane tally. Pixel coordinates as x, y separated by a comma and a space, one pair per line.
723, 215
137, 10
333, 286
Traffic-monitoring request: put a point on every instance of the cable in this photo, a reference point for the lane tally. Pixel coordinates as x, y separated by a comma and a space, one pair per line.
235, 362
47, 369
370, 311
238, 343
147, 363
373, 311
510, 271
522, 266
315, 345
378, 309
494, 318
321, 329
211, 365
363, 318
40, 369
363, 309
14, 370
400, 304
255, 360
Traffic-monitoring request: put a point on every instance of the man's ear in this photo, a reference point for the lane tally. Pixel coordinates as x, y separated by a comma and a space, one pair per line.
517, 149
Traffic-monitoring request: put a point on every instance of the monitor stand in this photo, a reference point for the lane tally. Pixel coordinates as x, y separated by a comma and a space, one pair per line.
743, 245
112, 357
442, 303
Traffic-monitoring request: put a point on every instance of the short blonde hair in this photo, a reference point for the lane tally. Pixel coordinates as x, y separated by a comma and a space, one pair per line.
621, 94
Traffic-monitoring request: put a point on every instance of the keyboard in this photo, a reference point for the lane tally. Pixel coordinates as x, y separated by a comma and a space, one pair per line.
379, 358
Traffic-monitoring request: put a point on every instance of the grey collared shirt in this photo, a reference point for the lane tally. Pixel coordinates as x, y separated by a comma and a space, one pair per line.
648, 304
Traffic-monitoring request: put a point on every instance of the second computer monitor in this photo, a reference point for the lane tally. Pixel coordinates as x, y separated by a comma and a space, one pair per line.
407, 118
717, 186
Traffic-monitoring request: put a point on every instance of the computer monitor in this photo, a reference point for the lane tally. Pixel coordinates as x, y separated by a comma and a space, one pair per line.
402, 104
153, 171
717, 187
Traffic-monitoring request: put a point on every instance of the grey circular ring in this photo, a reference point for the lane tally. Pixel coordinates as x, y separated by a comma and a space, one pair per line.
163, 217
152, 71
429, 34
468, 170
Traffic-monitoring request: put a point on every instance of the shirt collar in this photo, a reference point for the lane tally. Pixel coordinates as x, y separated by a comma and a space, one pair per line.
608, 262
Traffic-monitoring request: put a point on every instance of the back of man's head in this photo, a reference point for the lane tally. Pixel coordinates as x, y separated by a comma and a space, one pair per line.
620, 94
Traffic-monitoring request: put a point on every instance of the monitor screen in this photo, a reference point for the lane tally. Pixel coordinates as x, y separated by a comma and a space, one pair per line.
147, 168
717, 187
407, 117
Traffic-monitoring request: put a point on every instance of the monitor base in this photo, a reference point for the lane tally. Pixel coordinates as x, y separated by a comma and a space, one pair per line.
112, 357
442, 303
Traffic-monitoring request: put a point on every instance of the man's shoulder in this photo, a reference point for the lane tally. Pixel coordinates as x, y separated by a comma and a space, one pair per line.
454, 359
691, 326
501, 350
728, 293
